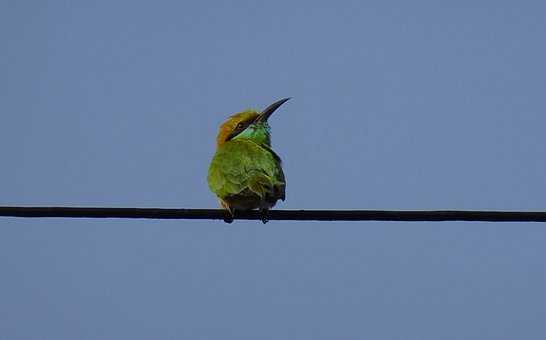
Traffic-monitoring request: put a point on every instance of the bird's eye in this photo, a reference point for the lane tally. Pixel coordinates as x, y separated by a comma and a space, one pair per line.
240, 125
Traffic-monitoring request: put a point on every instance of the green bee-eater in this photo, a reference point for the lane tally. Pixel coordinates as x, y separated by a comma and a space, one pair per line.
245, 173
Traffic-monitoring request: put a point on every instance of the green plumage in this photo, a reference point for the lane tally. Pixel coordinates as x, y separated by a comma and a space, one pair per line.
246, 175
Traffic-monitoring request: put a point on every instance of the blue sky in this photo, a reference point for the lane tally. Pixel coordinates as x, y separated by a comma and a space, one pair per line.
395, 106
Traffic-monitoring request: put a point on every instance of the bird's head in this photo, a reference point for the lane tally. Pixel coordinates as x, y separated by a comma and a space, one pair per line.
249, 124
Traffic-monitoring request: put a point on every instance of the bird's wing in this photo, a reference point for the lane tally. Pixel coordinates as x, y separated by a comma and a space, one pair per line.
280, 185
239, 165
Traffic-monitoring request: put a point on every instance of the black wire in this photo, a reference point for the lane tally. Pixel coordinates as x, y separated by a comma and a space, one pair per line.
292, 215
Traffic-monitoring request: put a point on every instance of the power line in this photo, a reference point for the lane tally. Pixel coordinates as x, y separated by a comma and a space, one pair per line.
287, 215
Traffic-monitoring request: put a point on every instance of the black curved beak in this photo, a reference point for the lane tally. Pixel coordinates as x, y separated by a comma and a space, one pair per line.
264, 115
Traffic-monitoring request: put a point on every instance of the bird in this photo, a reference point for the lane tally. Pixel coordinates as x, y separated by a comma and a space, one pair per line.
245, 173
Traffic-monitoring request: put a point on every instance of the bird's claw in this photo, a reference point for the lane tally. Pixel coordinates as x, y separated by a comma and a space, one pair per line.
265, 215
230, 216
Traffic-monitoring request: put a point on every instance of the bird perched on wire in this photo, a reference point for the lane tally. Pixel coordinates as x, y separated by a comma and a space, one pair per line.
245, 173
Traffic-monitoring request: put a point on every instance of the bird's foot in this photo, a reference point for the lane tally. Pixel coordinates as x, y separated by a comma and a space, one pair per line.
230, 216
265, 215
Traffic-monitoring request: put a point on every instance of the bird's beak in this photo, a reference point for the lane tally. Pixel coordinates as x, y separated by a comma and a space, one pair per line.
264, 116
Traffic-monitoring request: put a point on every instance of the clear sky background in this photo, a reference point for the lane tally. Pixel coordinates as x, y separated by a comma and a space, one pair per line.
406, 105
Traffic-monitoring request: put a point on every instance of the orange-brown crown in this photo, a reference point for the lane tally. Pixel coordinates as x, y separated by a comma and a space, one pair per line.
230, 125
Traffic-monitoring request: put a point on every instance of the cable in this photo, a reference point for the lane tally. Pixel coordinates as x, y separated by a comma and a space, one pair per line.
287, 215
